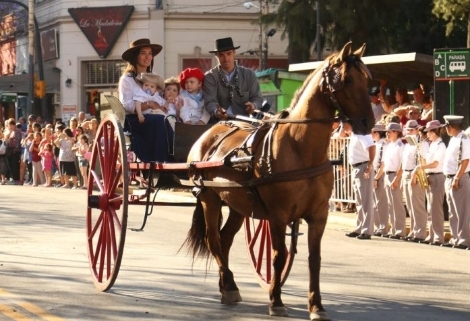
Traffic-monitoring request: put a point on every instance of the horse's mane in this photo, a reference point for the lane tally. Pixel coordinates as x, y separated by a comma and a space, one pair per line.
351, 60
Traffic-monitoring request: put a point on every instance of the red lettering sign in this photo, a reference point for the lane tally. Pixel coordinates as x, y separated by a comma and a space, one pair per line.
102, 25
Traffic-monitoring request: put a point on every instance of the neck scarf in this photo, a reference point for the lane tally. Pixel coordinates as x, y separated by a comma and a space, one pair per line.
230, 87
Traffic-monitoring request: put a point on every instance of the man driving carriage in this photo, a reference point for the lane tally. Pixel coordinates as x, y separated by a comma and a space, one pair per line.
230, 89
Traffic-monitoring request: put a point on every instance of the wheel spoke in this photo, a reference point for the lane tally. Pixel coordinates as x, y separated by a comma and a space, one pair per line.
107, 208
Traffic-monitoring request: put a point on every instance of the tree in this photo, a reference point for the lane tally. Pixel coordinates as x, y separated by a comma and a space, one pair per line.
453, 11
297, 18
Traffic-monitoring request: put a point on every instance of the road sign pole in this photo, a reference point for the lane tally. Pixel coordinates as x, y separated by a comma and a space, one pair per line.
451, 97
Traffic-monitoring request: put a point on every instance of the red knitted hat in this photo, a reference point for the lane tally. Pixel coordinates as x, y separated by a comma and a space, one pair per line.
188, 73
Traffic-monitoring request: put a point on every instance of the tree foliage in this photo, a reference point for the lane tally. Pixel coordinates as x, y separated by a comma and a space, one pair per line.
386, 26
454, 12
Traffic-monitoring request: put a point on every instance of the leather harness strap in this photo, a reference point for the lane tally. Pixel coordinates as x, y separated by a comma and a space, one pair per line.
293, 175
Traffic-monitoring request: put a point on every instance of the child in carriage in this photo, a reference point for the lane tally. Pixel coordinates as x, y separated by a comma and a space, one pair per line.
151, 86
192, 111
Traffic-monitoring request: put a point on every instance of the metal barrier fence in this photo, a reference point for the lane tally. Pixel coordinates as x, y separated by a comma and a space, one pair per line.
342, 188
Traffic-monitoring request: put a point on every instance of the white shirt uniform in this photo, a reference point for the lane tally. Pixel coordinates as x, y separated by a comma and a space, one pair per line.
454, 155
359, 148
393, 155
380, 148
410, 159
436, 153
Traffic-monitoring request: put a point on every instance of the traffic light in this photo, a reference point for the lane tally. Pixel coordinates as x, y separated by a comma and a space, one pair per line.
39, 88
94, 96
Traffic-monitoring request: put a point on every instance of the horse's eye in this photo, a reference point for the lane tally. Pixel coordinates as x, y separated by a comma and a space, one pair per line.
347, 80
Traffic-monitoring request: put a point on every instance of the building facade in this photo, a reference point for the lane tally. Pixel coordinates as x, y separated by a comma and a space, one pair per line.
82, 43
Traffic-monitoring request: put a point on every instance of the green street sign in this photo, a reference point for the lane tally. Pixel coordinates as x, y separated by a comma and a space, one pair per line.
451, 64
8, 98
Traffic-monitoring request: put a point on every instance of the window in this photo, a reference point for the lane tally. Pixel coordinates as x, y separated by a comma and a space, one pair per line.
103, 73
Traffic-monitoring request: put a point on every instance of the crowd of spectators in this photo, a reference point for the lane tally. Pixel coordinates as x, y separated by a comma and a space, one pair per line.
40, 153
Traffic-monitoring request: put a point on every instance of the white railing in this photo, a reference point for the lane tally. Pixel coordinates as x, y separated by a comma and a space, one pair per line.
342, 188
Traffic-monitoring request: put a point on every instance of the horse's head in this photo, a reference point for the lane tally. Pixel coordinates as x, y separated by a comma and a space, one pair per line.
345, 82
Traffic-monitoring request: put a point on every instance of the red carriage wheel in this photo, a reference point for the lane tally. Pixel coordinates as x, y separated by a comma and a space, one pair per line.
258, 240
107, 192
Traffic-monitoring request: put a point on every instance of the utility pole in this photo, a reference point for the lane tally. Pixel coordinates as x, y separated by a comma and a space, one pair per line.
318, 38
29, 106
261, 56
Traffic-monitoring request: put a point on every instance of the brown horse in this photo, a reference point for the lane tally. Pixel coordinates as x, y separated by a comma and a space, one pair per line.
290, 178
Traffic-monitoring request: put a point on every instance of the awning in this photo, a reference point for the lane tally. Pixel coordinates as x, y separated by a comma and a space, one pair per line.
397, 69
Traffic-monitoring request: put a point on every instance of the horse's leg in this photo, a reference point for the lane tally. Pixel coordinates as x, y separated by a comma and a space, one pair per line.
211, 204
227, 284
278, 239
316, 227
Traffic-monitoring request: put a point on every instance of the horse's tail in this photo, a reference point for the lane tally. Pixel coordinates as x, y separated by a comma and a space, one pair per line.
196, 239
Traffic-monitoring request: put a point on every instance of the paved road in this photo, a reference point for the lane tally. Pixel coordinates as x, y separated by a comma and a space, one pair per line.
44, 271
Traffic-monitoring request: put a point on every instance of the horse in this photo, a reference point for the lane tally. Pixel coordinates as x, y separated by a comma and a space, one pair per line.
289, 178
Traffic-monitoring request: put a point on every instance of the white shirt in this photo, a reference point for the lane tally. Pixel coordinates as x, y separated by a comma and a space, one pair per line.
380, 147
393, 155
453, 154
359, 148
436, 153
142, 96
410, 161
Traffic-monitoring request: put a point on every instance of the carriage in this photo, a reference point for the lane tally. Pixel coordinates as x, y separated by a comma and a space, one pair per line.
244, 167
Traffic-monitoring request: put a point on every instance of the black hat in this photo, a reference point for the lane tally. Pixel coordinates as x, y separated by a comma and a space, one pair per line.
224, 44
136, 45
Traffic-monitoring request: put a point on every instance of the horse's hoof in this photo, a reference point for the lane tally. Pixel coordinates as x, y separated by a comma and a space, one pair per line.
320, 315
278, 311
231, 297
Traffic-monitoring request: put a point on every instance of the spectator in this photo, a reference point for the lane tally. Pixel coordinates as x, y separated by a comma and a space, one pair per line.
65, 142
13, 139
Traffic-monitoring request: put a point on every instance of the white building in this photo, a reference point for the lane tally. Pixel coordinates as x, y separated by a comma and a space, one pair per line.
77, 76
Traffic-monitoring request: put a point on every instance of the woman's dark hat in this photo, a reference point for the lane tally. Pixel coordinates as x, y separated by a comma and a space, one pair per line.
136, 45
224, 44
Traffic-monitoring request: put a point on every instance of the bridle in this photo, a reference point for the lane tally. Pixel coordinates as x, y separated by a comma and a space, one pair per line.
330, 83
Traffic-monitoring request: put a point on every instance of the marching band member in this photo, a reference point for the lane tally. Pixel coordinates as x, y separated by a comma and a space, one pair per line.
434, 159
457, 183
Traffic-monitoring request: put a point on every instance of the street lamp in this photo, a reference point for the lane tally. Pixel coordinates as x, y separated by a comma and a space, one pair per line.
270, 33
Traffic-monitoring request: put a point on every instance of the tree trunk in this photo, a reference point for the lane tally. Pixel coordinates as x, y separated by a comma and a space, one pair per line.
468, 30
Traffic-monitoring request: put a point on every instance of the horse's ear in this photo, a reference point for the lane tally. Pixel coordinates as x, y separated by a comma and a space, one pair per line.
359, 52
345, 52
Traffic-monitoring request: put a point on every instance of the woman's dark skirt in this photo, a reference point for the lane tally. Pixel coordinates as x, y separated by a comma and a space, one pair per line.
152, 140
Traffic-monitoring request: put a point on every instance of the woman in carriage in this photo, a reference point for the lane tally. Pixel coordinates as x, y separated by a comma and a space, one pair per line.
150, 138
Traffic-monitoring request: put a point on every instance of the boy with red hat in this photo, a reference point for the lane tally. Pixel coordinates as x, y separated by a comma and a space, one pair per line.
193, 111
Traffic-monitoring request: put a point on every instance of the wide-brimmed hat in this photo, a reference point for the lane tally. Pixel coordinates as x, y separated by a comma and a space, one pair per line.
188, 73
223, 44
411, 124
396, 127
379, 128
136, 45
151, 78
433, 124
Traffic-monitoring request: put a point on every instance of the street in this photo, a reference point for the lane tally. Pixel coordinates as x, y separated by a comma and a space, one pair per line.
44, 272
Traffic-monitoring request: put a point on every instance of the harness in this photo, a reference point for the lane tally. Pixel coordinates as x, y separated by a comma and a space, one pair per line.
262, 137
